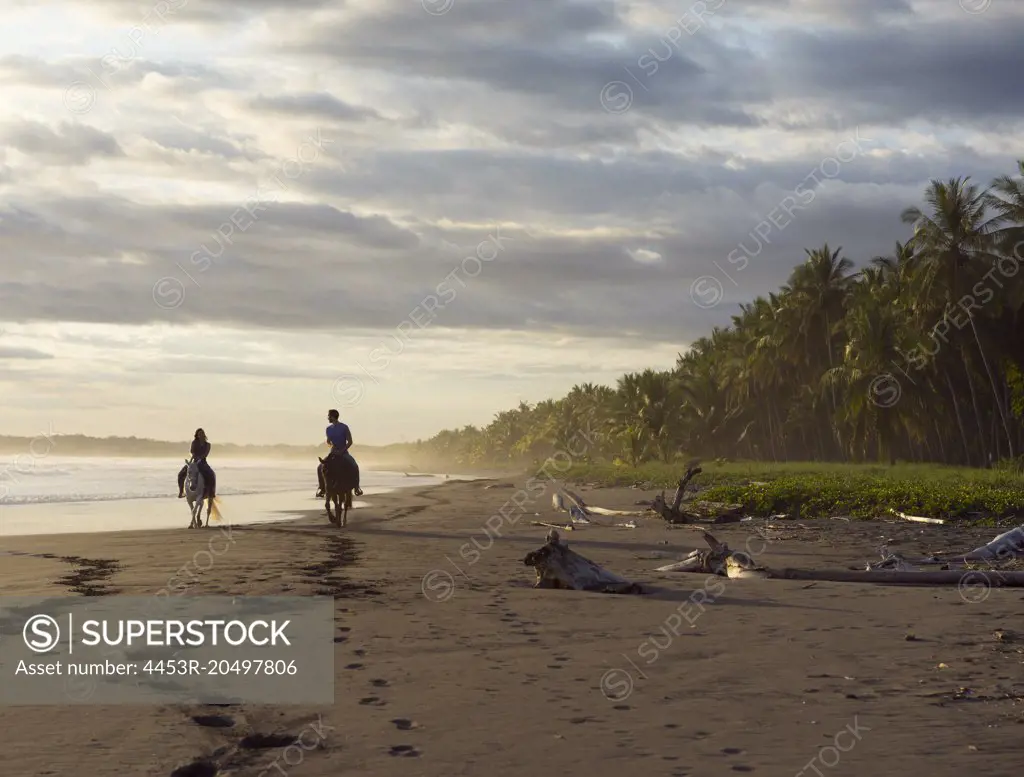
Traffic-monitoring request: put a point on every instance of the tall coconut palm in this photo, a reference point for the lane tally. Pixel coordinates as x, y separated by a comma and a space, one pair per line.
955, 240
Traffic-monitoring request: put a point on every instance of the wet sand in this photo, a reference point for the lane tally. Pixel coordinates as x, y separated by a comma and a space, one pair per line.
448, 662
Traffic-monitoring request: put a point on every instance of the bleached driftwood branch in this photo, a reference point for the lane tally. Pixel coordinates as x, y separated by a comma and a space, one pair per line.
720, 559
917, 518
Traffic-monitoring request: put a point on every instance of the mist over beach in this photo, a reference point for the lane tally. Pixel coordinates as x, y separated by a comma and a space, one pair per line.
442, 388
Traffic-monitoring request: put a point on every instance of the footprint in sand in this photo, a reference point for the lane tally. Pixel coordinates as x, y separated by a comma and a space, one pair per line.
373, 701
200, 768
404, 724
353, 666
405, 751
340, 639
731, 750
379, 683
214, 721
259, 741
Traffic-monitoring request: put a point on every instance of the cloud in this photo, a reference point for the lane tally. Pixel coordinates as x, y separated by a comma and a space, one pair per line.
66, 144
23, 353
323, 172
316, 105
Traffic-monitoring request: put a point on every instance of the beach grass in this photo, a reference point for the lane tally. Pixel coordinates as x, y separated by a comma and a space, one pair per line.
815, 490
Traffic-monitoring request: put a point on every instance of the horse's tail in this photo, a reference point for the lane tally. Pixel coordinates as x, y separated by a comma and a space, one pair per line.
215, 513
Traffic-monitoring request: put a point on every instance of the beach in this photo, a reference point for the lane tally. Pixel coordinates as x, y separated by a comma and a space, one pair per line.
448, 662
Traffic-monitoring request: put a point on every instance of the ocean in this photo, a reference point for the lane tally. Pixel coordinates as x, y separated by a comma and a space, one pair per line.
51, 479
58, 495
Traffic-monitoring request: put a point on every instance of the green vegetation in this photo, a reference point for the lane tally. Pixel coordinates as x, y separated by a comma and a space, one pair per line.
807, 490
917, 357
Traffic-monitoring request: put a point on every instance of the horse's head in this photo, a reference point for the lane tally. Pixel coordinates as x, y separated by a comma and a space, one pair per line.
192, 473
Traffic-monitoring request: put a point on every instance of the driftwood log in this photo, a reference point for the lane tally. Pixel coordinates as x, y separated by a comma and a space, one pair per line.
698, 511
559, 567
720, 560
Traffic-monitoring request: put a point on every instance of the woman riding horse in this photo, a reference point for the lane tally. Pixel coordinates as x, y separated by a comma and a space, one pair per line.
200, 450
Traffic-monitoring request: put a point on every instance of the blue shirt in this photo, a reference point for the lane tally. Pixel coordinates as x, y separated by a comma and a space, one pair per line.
338, 434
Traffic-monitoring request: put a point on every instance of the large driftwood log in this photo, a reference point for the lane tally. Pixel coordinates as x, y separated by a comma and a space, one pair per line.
559, 567
720, 560
985, 577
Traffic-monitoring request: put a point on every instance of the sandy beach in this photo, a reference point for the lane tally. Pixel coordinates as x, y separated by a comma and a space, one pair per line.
448, 662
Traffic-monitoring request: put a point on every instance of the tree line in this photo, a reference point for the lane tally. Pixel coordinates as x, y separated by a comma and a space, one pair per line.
916, 356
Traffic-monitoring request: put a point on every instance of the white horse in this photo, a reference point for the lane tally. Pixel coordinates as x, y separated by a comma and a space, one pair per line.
195, 494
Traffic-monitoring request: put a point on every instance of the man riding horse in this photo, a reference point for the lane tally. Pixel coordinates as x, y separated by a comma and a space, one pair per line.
339, 437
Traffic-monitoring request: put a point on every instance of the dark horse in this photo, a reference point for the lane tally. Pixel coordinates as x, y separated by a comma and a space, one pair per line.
339, 482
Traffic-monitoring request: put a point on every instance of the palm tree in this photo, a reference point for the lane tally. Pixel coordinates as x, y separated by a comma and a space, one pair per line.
954, 240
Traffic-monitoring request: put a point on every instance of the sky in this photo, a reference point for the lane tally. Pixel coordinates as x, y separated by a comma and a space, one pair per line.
237, 214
